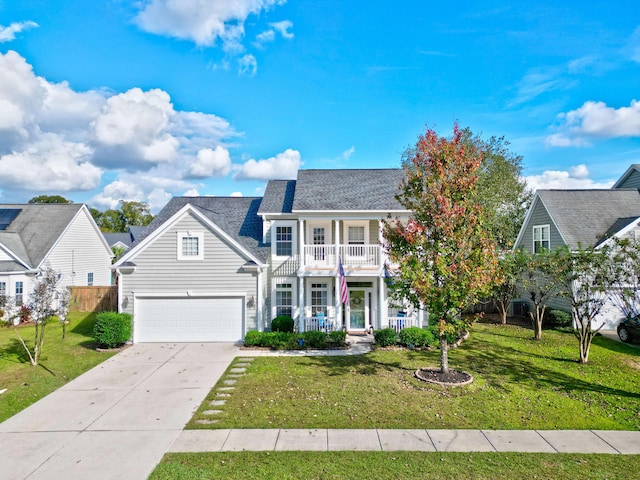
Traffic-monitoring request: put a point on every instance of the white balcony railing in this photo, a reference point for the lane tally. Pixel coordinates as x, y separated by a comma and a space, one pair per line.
320, 256
353, 256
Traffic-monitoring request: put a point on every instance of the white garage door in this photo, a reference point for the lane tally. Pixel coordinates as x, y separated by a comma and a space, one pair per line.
188, 319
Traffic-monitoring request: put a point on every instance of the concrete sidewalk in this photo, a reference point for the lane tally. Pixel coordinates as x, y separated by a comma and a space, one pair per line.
528, 441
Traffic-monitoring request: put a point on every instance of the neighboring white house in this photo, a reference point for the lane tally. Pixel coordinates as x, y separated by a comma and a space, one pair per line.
212, 268
63, 237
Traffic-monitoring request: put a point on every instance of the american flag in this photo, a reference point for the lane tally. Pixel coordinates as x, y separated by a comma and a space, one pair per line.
344, 293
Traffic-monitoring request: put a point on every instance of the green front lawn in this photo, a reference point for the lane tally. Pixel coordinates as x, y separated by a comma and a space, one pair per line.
519, 384
394, 465
60, 361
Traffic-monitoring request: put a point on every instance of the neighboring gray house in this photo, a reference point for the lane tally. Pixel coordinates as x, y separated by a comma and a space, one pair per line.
63, 237
124, 240
211, 268
583, 218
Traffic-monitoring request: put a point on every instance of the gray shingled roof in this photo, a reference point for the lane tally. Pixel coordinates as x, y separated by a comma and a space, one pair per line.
586, 217
363, 189
278, 197
32, 234
236, 216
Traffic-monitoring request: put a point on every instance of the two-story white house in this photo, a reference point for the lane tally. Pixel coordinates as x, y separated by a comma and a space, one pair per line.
211, 268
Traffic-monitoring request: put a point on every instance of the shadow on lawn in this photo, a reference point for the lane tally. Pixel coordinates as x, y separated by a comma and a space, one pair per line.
498, 365
361, 364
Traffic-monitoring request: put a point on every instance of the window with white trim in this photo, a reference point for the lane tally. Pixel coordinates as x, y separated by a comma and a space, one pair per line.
541, 238
19, 293
90, 279
283, 299
190, 246
3, 289
319, 296
284, 241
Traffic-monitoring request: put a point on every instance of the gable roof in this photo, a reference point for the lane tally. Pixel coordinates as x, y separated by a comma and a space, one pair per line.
278, 197
35, 230
348, 190
587, 217
237, 217
633, 168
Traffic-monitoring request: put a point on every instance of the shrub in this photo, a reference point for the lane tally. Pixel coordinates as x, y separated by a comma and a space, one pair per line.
280, 340
416, 337
253, 338
314, 339
112, 329
24, 314
282, 324
558, 319
385, 337
337, 338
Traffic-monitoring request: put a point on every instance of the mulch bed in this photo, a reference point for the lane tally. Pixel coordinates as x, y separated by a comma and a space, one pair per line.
454, 378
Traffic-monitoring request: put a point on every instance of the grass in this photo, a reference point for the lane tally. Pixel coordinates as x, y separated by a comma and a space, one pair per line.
393, 465
519, 384
60, 361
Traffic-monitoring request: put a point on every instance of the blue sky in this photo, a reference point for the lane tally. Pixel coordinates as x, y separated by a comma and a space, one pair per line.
109, 100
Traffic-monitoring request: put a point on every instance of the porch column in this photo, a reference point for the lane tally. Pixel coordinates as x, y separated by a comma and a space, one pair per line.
301, 243
383, 302
381, 257
301, 307
259, 301
338, 301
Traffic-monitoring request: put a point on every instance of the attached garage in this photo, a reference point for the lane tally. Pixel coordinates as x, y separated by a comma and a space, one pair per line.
188, 319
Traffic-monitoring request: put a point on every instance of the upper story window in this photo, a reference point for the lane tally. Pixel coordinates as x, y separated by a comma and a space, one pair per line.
90, 279
283, 238
356, 235
190, 246
541, 238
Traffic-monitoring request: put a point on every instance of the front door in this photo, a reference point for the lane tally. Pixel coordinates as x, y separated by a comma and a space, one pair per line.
358, 310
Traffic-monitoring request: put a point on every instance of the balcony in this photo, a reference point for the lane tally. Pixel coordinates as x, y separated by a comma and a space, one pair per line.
352, 256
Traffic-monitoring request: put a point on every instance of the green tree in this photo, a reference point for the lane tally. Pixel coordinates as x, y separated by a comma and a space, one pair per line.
625, 266
501, 188
446, 257
135, 213
49, 199
539, 281
586, 277
112, 221
511, 264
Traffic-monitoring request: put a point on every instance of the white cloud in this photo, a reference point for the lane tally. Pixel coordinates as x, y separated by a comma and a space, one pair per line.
191, 193
50, 165
247, 65
595, 120
203, 22
283, 166
538, 82
55, 138
576, 178
283, 28
236, 194
265, 37
211, 163
347, 153
8, 34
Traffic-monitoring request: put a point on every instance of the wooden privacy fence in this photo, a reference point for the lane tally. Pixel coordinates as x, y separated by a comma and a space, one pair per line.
94, 299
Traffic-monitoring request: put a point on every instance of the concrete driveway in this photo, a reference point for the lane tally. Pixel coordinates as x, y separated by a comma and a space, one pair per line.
117, 420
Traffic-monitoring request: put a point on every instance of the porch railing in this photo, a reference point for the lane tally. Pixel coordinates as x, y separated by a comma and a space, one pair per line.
320, 324
354, 256
398, 323
320, 256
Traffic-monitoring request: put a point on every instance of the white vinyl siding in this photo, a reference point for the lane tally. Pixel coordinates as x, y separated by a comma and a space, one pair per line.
158, 271
79, 251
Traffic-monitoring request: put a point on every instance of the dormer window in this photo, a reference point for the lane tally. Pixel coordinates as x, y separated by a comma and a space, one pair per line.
190, 246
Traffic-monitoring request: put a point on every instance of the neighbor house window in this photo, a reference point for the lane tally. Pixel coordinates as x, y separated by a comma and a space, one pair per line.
541, 238
90, 279
190, 246
3, 288
284, 299
19, 293
284, 241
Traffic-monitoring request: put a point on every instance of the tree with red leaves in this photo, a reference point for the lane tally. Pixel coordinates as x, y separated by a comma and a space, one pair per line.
445, 256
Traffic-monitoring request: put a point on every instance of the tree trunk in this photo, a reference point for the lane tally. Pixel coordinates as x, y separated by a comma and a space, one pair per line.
503, 311
444, 354
585, 345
